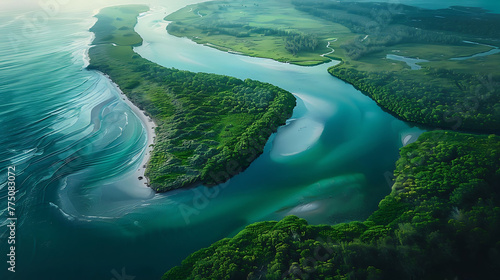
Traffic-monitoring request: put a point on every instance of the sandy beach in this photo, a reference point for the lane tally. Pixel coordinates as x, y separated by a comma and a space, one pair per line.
149, 125
147, 122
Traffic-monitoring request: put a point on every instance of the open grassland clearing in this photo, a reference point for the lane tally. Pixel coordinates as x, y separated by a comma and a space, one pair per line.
270, 29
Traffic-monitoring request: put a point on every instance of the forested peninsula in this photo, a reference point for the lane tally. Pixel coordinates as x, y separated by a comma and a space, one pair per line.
209, 127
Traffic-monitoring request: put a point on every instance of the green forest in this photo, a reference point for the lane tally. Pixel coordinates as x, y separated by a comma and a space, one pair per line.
209, 127
448, 99
441, 221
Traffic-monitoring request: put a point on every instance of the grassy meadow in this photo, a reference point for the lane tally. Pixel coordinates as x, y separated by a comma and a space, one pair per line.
252, 29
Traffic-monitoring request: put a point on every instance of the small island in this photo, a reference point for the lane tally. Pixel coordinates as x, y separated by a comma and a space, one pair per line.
209, 127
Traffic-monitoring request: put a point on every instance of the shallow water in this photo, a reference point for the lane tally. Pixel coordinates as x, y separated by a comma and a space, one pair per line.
75, 145
494, 50
412, 62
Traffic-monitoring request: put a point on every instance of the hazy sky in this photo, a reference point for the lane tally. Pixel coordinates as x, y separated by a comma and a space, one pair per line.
34, 5
488, 4
77, 4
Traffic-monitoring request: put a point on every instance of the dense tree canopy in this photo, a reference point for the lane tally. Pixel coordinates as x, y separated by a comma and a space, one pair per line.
441, 221
449, 99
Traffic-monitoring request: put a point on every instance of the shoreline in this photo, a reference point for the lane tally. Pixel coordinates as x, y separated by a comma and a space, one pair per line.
148, 123
107, 60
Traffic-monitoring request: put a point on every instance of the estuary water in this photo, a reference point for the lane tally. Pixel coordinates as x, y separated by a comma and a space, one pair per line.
75, 145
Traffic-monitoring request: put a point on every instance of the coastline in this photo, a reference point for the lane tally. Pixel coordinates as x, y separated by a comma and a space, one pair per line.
189, 166
148, 123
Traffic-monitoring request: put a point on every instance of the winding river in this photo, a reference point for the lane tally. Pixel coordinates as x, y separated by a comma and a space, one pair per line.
76, 145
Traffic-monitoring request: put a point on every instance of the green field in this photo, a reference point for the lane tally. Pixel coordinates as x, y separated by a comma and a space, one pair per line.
210, 127
259, 28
